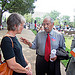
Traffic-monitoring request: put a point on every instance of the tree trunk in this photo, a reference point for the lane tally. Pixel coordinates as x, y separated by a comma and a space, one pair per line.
0, 17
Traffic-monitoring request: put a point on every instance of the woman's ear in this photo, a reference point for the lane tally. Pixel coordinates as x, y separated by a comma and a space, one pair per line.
15, 26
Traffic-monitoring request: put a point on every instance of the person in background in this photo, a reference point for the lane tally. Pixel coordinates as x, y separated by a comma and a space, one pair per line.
71, 65
41, 29
13, 55
54, 28
44, 43
35, 24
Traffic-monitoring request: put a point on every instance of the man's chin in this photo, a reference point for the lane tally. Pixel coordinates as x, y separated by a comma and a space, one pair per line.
47, 31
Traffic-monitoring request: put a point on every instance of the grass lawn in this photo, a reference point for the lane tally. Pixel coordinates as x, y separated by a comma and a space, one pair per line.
34, 31
68, 41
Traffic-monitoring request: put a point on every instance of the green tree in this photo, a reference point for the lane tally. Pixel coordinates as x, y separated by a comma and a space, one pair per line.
28, 17
54, 14
56, 22
65, 19
71, 24
38, 19
20, 6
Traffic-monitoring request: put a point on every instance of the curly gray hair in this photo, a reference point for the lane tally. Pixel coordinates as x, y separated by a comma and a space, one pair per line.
49, 18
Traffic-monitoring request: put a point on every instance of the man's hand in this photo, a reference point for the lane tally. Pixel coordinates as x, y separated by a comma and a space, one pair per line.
28, 66
29, 71
25, 41
54, 58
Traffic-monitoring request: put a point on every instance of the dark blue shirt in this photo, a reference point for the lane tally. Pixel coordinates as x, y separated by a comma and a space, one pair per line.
10, 52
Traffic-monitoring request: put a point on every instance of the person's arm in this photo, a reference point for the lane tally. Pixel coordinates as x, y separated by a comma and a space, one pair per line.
25, 41
16, 67
31, 45
29, 65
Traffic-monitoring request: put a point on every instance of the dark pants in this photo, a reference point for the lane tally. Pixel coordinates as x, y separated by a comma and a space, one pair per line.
43, 67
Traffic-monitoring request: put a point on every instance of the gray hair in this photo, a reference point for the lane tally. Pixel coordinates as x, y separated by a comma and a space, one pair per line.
14, 19
49, 18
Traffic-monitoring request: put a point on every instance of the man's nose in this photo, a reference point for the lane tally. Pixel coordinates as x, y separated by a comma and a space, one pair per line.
45, 25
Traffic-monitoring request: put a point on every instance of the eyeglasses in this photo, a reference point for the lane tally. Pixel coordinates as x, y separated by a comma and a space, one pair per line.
46, 24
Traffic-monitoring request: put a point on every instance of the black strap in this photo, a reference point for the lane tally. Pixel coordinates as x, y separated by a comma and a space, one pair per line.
68, 64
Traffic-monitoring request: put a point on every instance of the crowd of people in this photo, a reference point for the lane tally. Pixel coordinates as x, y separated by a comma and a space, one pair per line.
45, 41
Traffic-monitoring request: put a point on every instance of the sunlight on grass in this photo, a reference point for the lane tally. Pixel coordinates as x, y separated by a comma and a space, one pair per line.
68, 41
34, 31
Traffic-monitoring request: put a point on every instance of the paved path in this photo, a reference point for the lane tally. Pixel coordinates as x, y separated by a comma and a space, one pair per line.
29, 53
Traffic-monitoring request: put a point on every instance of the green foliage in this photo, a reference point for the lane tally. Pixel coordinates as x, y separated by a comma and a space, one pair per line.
68, 41
65, 19
62, 25
56, 22
34, 31
20, 6
38, 19
28, 17
64, 62
71, 23
54, 14
74, 24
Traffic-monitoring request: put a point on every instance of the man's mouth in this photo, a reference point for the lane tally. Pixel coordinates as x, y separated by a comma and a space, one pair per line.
46, 28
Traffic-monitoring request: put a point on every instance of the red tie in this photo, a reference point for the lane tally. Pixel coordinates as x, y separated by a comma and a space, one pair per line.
47, 48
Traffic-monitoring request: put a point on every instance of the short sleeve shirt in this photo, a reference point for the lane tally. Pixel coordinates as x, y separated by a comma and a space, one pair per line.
10, 52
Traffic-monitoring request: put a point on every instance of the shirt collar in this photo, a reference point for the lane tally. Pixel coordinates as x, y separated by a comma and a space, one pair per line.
51, 33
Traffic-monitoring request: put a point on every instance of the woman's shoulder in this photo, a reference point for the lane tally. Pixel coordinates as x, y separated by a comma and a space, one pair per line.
5, 38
